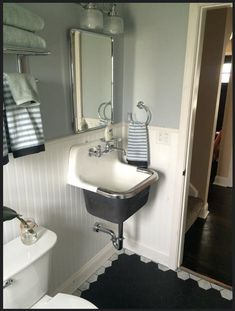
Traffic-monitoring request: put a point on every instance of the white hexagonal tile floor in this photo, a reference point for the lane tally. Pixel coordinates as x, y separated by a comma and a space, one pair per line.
227, 294
144, 259
92, 278
194, 277
204, 284
183, 275
128, 252
84, 286
162, 267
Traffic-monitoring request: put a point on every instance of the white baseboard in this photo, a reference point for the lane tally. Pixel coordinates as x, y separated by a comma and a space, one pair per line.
204, 212
147, 252
79, 277
222, 181
193, 191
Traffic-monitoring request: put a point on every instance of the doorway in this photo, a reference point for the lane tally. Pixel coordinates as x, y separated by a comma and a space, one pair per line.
208, 230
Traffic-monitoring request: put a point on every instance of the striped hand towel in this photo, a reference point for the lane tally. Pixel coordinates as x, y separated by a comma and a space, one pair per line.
138, 144
23, 125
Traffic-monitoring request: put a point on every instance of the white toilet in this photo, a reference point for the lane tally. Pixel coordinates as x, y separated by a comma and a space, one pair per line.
25, 276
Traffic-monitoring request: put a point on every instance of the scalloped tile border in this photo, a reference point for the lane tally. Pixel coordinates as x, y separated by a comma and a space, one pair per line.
162, 267
183, 275
94, 277
204, 284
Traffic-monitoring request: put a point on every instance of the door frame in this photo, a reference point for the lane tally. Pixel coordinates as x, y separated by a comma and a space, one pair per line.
194, 45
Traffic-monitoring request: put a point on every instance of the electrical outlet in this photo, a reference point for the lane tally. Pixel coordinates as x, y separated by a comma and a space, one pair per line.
163, 137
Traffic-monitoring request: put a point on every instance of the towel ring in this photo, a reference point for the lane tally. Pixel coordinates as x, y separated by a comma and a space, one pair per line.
141, 105
104, 117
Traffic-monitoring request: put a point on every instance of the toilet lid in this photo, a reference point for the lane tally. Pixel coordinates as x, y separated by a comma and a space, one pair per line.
65, 301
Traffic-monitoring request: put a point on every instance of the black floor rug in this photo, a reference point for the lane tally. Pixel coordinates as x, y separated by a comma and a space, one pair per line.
131, 283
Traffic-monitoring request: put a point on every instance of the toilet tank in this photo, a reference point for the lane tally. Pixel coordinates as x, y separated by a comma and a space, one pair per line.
26, 268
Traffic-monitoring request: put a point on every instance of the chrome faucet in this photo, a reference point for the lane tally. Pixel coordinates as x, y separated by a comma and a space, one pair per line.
117, 148
109, 146
95, 151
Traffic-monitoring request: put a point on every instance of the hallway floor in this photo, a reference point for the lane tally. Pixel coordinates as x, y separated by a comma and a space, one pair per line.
130, 281
208, 243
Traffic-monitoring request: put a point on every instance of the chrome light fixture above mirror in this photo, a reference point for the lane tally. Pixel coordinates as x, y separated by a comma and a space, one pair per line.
96, 19
91, 17
113, 24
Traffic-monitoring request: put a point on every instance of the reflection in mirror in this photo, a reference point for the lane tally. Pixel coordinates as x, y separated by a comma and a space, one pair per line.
92, 79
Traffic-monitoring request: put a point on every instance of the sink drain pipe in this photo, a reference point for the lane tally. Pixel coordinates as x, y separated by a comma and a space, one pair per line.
116, 240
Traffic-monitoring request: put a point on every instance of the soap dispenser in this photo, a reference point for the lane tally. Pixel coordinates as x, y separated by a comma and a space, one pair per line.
108, 132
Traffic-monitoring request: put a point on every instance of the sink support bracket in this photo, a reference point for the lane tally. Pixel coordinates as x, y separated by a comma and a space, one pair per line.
116, 240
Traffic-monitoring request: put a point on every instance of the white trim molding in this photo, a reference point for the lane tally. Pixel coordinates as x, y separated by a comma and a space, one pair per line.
147, 252
193, 191
204, 212
222, 181
187, 120
196, 25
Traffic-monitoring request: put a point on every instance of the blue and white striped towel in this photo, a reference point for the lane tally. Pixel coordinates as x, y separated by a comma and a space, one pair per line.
23, 125
138, 143
4, 139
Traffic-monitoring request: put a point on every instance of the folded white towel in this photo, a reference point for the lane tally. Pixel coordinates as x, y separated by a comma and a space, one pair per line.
137, 149
23, 88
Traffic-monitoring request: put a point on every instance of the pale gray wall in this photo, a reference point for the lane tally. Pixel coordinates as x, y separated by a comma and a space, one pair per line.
53, 71
154, 55
148, 63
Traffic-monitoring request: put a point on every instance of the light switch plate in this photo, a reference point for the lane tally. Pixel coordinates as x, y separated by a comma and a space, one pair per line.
163, 137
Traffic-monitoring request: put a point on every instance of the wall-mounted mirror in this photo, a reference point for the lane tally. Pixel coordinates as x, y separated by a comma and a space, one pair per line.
92, 79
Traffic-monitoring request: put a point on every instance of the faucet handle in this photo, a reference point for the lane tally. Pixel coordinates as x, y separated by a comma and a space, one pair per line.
91, 151
98, 151
107, 146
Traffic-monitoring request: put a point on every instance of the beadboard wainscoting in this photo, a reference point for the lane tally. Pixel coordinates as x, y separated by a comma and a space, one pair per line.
35, 186
149, 231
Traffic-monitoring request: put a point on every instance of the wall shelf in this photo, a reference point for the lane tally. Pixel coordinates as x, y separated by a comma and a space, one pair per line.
22, 51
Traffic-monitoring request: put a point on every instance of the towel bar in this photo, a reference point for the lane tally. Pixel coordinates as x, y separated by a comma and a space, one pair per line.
22, 53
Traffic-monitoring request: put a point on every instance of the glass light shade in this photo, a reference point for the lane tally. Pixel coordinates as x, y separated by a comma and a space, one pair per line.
113, 25
92, 18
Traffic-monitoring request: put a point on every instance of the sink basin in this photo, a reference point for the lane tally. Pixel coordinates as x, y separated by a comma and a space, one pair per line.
113, 190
